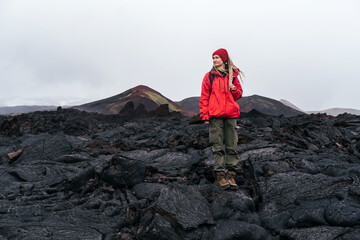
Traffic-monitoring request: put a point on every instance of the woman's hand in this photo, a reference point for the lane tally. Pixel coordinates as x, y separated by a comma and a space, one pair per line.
206, 122
232, 87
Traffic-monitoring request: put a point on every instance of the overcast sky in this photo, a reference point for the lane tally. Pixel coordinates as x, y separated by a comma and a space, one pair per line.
74, 51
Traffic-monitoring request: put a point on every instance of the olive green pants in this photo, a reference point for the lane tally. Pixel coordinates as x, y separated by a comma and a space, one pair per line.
223, 131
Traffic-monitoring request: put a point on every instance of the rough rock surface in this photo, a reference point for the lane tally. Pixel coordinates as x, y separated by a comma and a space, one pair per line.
91, 176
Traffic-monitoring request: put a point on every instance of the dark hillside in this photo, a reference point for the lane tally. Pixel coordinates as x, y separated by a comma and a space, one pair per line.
262, 104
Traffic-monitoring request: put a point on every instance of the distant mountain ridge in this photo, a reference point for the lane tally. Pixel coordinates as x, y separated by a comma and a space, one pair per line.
289, 104
24, 109
337, 111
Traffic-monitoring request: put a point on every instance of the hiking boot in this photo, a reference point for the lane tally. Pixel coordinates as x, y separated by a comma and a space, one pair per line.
231, 180
221, 180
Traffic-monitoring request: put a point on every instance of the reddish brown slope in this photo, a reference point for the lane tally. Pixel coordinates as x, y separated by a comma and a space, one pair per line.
150, 98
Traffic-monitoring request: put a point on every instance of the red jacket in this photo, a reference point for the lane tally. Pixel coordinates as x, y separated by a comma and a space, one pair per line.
222, 102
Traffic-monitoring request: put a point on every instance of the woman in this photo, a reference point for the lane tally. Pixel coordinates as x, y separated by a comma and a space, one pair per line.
218, 108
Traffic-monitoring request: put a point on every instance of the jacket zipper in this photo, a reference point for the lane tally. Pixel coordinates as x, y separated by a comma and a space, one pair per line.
225, 90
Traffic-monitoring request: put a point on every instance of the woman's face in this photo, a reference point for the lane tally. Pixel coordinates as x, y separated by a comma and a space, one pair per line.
217, 61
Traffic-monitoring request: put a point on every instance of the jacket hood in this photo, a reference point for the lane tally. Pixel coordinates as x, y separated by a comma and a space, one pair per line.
235, 73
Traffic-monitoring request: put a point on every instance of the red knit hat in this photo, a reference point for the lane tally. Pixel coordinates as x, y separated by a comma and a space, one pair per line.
222, 53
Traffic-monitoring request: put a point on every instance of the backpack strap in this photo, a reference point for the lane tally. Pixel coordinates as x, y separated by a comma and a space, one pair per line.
211, 77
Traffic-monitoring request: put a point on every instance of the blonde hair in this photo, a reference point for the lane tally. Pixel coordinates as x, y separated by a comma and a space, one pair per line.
232, 66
